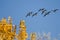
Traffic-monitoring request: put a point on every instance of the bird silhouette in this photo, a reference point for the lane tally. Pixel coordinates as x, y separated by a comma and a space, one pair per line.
41, 9
35, 14
55, 10
47, 13
29, 14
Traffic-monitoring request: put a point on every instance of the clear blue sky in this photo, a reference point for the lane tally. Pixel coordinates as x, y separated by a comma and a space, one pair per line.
17, 9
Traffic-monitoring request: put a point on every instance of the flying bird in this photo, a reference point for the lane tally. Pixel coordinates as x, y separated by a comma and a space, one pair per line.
41, 9
29, 14
55, 10
47, 13
34, 14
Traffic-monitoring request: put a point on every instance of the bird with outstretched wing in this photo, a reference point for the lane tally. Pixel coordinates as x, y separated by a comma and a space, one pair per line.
55, 10
47, 13
29, 14
35, 14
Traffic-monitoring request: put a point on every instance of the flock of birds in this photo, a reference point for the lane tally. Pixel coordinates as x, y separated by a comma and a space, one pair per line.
43, 11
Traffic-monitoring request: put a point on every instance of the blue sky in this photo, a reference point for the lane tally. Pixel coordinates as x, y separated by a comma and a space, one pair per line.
17, 9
